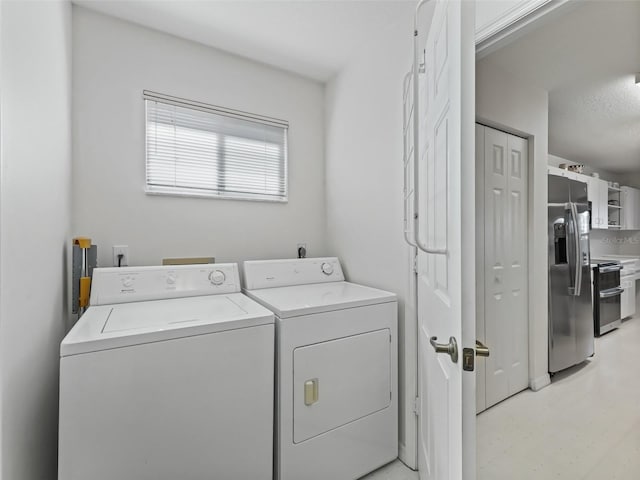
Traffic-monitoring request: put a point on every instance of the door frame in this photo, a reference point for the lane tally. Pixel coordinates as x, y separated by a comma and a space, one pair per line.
523, 17
507, 28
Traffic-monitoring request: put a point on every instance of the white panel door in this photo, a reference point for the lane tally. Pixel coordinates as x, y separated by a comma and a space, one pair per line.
505, 265
446, 206
518, 265
496, 273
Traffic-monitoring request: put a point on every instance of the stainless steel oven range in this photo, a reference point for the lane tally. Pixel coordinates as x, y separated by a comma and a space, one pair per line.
606, 297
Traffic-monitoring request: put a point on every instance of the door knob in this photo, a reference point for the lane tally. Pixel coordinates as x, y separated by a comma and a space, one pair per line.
451, 348
481, 349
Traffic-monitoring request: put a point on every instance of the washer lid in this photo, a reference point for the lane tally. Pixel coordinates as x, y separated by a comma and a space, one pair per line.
114, 326
298, 300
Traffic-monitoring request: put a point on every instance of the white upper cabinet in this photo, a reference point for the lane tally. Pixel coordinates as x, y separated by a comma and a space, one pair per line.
615, 208
593, 194
602, 202
597, 193
630, 202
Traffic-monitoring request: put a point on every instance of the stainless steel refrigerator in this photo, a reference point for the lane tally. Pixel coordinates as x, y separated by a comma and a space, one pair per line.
570, 310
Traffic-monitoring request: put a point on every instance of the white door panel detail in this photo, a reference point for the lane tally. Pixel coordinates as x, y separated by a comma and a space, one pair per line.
443, 95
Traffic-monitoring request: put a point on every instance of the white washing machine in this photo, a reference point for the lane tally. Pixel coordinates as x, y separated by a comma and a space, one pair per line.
336, 369
168, 375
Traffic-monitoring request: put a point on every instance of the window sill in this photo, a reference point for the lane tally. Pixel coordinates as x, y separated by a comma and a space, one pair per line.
219, 196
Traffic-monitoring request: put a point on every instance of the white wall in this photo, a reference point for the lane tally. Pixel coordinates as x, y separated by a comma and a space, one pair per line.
35, 76
633, 178
509, 104
114, 61
364, 174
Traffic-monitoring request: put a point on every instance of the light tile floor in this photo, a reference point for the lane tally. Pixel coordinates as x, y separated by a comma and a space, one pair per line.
584, 426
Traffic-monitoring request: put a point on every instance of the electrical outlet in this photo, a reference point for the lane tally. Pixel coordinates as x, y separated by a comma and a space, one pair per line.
120, 250
304, 251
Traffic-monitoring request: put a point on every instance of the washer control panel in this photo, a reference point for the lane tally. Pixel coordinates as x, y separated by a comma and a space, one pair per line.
136, 284
283, 273
217, 277
327, 268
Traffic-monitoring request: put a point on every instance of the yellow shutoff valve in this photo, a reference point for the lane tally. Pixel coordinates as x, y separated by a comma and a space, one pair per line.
85, 288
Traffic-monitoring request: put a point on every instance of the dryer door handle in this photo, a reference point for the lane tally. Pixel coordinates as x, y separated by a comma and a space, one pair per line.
311, 391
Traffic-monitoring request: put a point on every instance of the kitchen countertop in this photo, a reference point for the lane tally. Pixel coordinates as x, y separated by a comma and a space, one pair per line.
625, 260
617, 257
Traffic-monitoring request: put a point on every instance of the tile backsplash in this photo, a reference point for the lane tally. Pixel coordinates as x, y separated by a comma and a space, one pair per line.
611, 242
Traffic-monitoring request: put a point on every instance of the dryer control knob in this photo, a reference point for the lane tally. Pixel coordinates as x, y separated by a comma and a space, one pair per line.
171, 278
327, 268
127, 282
217, 277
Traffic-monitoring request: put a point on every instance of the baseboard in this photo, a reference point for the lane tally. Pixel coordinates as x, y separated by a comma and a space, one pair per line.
539, 383
408, 459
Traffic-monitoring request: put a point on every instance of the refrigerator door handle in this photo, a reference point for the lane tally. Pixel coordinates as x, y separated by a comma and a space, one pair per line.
578, 249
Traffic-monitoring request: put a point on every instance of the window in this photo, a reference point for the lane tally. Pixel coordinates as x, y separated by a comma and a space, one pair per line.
195, 149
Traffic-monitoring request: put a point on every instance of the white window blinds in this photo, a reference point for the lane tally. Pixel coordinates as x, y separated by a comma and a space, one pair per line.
196, 149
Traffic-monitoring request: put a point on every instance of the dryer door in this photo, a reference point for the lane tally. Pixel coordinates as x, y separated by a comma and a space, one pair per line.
340, 381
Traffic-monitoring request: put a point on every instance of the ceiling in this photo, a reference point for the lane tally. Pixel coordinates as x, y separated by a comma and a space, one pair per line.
313, 38
587, 60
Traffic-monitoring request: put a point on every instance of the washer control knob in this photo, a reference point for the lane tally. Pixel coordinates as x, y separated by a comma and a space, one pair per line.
217, 277
127, 282
327, 268
171, 278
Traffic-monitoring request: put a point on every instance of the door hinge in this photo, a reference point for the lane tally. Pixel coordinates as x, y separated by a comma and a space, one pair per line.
416, 406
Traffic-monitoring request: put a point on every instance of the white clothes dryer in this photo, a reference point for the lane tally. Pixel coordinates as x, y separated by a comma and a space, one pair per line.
336, 369
168, 375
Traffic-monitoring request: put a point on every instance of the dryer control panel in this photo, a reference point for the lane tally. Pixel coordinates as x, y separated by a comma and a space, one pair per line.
283, 273
136, 284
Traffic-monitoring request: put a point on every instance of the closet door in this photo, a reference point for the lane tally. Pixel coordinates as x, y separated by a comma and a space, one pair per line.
505, 265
